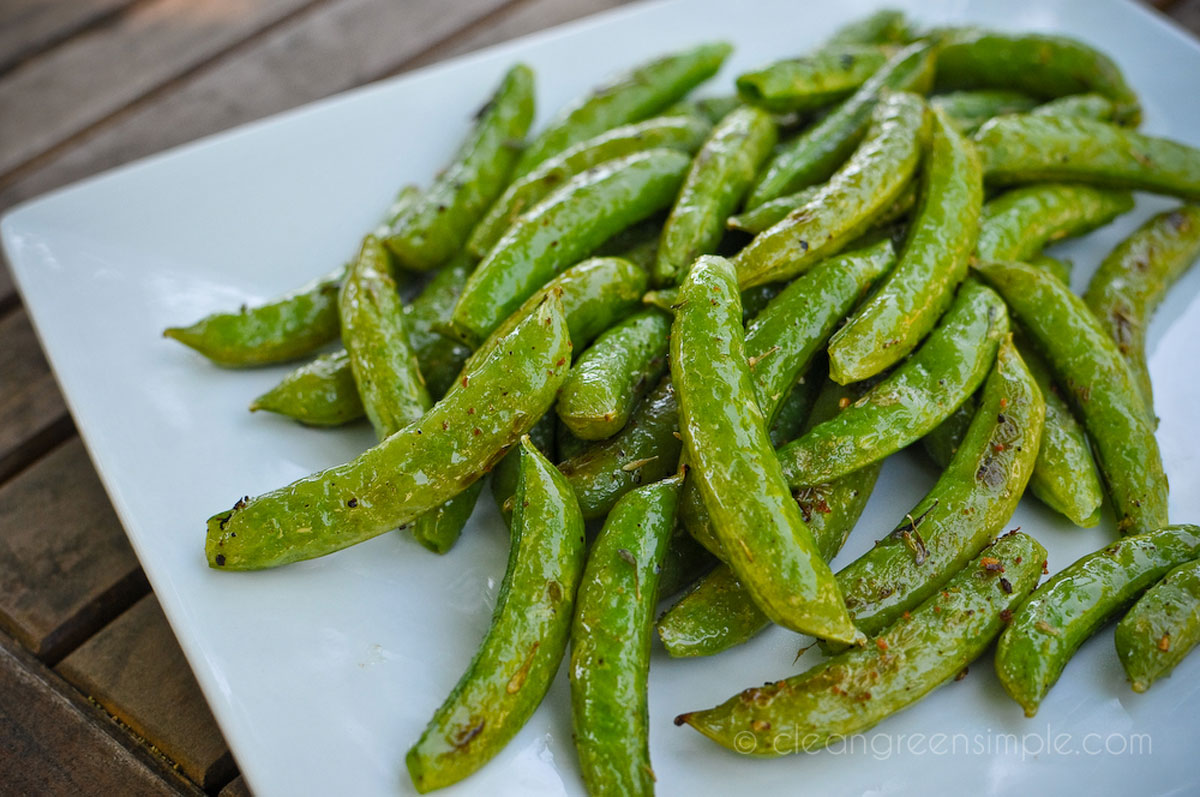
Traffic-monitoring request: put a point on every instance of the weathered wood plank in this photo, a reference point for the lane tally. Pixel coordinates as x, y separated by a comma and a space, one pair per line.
32, 414
135, 669
66, 567
54, 744
1187, 14
237, 788
28, 27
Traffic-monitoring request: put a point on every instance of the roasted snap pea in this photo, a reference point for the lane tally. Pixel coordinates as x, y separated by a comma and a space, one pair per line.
516, 662
843, 208
941, 237
1025, 148
714, 109
968, 110
1040, 65
1060, 616
1020, 222
319, 393
1135, 276
682, 133
1059, 268
854, 690
439, 528
1161, 628
501, 396
730, 456
771, 213
881, 27
613, 374
1098, 383
813, 81
563, 228
716, 183
1089, 106
636, 95
610, 641
818, 152
916, 397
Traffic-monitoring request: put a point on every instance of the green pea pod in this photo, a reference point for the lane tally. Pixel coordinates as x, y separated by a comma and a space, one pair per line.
516, 662
1038, 64
712, 109
730, 456
508, 469
920, 394
1070, 607
436, 227
440, 357
636, 95
610, 641
1099, 385
812, 81
968, 110
438, 529
880, 27
1061, 269
768, 214
718, 179
854, 690
1088, 106
414, 470
613, 374
818, 152
941, 237
846, 206
562, 229
319, 393
1135, 276
1024, 148
685, 134
1161, 628
1019, 223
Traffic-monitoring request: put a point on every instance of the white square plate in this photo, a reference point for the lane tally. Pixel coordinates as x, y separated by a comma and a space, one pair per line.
322, 674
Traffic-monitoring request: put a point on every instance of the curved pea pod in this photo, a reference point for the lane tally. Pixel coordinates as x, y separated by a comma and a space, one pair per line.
1088, 106
952, 362
1038, 64
1059, 268
818, 152
636, 95
562, 229
771, 213
438, 529
730, 456
812, 81
941, 237
1019, 223
880, 27
430, 232
1135, 277
968, 110
319, 393
1024, 148
718, 179
1161, 628
517, 660
1099, 385
1046, 631
610, 641
613, 374
712, 109
869, 182
854, 690
414, 470
685, 134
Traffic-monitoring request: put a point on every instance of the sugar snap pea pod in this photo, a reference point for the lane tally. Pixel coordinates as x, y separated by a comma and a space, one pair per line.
818, 152
1024, 148
1038, 64
866, 185
812, 81
1098, 383
406, 197
610, 641
319, 393
1060, 616
560, 230
1059, 268
1161, 628
771, 213
1020, 222
714, 109
507, 470
968, 110
1135, 276
881, 27
613, 374
414, 470
941, 237
517, 660
682, 133
948, 367
636, 95
429, 233
716, 183
439, 528
730, 456
854, 690
1089, 106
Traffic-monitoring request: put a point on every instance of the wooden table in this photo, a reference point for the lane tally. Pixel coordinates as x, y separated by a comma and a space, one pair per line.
95, 696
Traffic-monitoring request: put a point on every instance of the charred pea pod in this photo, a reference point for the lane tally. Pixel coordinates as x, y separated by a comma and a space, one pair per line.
1060, 616
1161, 628
813, 81
516, 662
1059, 268
768, 214
854, 690
968, 110
712, 109
1019, 223
610, 641
319, 393
414, 470
1099, 384
881, 27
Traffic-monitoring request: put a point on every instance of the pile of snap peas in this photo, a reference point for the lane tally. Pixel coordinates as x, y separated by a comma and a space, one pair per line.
682, 335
